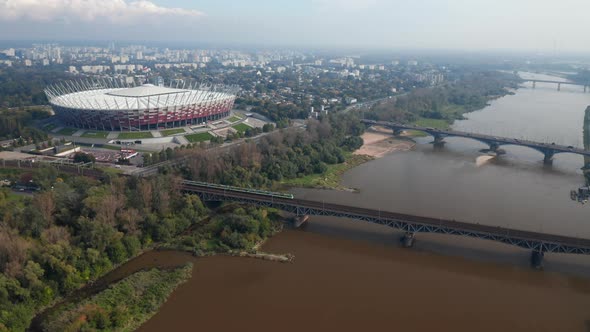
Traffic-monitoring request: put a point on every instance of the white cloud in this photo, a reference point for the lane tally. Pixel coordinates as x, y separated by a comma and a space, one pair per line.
114, 11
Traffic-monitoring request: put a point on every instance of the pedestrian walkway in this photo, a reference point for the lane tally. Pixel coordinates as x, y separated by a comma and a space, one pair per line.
181, 140
78, 133
113, 135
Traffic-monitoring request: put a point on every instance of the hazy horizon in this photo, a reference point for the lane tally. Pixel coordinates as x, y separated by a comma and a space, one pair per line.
540, 26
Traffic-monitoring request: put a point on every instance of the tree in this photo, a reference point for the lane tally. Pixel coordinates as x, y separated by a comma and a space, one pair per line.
46, 204
81, 157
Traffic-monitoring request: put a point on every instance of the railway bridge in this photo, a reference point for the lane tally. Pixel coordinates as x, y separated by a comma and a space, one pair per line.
494, 142
538, 243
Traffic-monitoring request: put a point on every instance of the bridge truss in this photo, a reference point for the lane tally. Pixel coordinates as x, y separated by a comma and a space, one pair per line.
537, 242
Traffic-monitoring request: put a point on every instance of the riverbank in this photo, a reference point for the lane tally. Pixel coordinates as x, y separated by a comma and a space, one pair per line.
123, 306
379, 141
330, 179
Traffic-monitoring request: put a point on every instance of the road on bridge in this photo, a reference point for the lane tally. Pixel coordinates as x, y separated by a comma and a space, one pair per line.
548, 149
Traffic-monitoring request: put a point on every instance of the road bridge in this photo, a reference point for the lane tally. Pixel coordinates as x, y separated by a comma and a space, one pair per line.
559, 83
494, 142
538, 243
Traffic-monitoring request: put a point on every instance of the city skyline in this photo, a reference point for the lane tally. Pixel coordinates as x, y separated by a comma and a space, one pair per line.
540, 26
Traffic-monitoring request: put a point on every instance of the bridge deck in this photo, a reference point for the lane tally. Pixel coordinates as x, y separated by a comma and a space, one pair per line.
410, 223
555, 148
555, 82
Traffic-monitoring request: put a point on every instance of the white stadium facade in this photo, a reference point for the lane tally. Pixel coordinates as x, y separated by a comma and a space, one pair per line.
109, 105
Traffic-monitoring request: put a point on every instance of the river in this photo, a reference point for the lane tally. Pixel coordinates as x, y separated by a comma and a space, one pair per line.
351, 276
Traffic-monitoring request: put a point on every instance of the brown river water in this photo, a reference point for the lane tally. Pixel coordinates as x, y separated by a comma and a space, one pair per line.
353, 276
338, 284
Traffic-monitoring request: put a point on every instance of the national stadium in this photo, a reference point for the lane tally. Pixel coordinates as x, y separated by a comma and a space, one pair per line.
111, 106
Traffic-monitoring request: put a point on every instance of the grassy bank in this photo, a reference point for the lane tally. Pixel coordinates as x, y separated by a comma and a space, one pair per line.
331, 178
124, 306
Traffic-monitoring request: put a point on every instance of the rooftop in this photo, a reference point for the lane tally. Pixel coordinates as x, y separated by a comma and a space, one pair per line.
140, 97
146, 90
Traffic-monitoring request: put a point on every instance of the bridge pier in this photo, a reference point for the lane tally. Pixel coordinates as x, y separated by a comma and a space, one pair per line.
439, 140
537, 259
548, 158
585, 88
495, 147
558, 86
534, 84
408, 240
298, 221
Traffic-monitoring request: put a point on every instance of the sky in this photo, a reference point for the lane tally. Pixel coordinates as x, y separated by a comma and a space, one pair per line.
473, 25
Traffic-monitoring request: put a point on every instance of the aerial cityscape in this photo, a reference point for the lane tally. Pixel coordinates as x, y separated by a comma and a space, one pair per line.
368, 165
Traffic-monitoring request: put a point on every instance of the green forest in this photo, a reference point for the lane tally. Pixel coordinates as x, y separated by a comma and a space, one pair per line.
447, 102
17, 124
77, 229
23, 86
281, 155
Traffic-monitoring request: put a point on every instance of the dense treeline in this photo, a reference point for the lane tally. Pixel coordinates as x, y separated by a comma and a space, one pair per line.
285, 154
236, 227
76, 229
15, 124
447, 102
58, 240
23, 86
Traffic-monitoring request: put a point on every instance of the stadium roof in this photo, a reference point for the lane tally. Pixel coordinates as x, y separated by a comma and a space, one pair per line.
145, 91
98, 97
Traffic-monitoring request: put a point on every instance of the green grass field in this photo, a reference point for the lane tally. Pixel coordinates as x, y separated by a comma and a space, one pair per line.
135, 135
96, 134
170, 132
67, 131
234, 119
241, 127
200, 137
